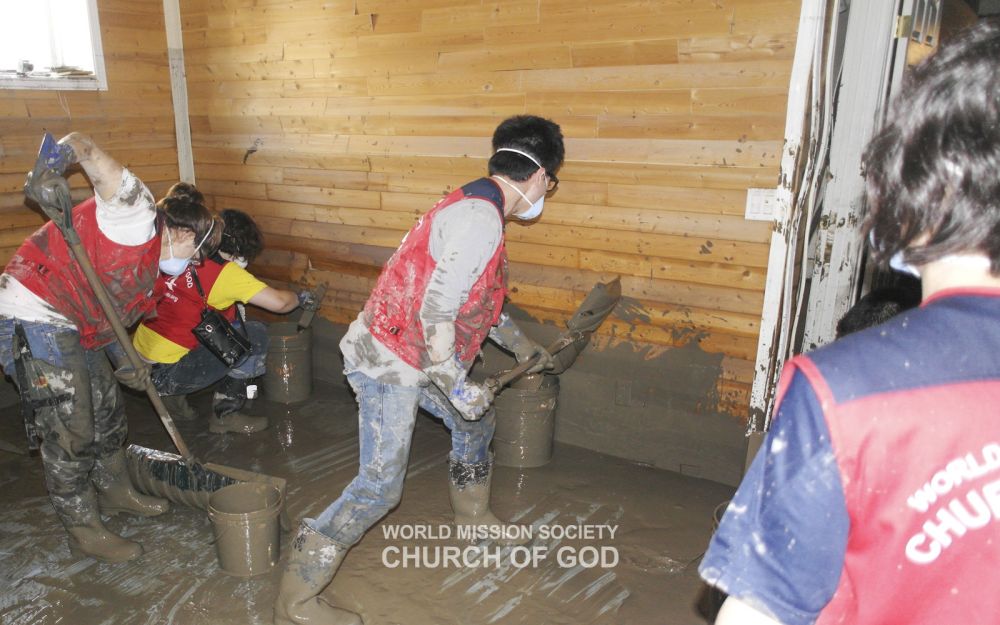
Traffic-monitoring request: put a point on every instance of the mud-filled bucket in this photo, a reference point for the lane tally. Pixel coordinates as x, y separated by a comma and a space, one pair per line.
289, 363
245, 519
526, 421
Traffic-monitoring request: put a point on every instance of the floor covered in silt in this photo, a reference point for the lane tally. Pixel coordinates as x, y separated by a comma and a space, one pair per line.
663, 524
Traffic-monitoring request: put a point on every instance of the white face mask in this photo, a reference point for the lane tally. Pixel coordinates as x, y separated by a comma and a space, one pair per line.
534, 208
175, 266
898, 260
241, 262
898, 263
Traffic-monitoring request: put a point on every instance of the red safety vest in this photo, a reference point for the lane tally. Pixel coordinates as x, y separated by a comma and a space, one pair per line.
44, 265
392, 312
179, 307
920, 468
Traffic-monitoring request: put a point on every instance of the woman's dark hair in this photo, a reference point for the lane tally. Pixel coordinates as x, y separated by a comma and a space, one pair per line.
187, 191
537, 136
181, 213
241, 236
934, 170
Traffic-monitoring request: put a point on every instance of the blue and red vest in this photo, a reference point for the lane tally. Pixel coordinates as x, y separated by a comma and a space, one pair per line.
914, 419
179, 307
44, 265
392, 312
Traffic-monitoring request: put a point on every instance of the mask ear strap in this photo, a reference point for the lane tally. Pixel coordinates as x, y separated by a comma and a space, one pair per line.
204, 238
519, 192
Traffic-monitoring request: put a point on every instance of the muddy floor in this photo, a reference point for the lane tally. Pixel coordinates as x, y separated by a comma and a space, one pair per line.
662, 521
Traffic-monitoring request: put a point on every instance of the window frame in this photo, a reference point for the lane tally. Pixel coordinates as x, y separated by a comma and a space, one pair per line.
97, 82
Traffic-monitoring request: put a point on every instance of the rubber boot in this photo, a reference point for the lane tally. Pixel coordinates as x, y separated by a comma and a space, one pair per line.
87, 534
469, 491
115, 492
179, 408
313, 560
227, 401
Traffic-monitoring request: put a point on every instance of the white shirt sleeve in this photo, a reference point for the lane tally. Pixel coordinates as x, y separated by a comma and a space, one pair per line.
128, 217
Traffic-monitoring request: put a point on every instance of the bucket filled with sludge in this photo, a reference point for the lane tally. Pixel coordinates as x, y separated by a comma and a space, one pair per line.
525, 421
247, 529
289, 363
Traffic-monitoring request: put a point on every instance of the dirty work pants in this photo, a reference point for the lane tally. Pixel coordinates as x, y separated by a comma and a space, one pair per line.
200, 368
83, 419
386, 416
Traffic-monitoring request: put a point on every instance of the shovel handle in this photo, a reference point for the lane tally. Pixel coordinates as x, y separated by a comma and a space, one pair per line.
59, 207
121, 334
496, 382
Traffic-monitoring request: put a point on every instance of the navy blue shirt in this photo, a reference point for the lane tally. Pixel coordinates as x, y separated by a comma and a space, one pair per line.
781, 546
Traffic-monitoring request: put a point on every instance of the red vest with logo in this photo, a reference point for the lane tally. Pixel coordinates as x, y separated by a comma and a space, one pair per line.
179, 308
44, 265
919, 459
392, 312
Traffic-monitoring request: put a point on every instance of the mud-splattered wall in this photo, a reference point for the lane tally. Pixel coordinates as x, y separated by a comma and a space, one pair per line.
133, 119
338, 123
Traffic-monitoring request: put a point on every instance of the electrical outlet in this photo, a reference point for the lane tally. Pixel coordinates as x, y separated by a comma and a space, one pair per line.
762, 204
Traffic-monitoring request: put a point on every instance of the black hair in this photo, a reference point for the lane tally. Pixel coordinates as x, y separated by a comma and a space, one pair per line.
181, 213
932, 171
187, 191
542, 138
241, 236
877, 307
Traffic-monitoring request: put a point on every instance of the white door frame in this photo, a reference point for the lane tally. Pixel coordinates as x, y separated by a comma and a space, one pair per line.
859, 103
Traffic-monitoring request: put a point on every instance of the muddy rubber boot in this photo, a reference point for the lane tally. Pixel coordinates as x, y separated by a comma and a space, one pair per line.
313, 560
115, 492
179, 408
469, 492
87, 534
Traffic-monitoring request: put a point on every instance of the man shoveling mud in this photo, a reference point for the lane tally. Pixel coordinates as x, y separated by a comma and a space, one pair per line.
435, 302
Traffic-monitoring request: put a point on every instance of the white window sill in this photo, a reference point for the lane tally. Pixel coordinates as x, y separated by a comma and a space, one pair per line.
10, 80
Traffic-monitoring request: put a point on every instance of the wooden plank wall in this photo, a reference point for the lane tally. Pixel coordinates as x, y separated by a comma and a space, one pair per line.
133, 120
337, 123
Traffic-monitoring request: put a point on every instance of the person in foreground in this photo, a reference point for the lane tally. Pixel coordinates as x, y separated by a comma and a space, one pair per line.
55, 338
180, 364
434, 304
876, 495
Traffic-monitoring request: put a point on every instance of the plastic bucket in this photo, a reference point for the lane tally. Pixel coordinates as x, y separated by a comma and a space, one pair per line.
525, 421
289, 363
245, 519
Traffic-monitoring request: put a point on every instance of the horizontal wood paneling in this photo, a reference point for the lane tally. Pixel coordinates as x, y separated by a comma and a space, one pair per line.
338, 123
133, 120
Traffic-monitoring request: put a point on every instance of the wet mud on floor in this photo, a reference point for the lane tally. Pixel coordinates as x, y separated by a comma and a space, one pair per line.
663, 519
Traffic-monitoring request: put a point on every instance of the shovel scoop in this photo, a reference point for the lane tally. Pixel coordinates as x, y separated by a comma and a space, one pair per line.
594, 309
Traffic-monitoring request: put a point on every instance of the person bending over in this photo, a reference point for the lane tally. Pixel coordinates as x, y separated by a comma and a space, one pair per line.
436, 300
180, 363
49, 313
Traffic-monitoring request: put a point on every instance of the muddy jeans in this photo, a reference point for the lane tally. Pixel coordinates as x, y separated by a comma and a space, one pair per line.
200, 368
79, 411
387, 414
